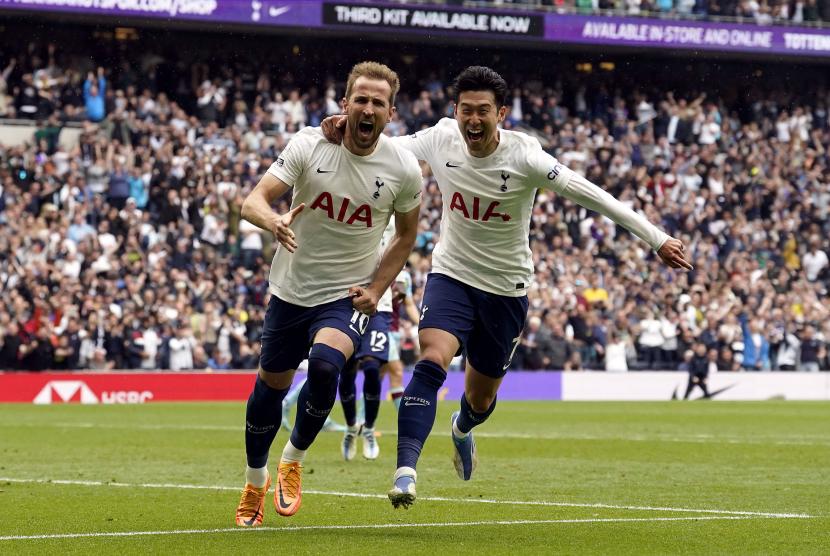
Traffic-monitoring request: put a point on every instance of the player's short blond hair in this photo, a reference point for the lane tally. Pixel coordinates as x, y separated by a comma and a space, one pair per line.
374, 70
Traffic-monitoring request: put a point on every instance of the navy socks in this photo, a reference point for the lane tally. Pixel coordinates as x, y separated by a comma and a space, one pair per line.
467, 418
262, 421
348, 393
317, 395
371, 390
417, 412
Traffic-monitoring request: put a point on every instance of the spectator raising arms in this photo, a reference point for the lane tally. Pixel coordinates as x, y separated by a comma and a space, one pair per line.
106, 242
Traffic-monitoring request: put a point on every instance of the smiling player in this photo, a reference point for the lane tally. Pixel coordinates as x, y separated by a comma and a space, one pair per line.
475, 298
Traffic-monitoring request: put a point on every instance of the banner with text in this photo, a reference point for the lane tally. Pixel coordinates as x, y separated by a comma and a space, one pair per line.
144, 387
444, 21
477, 24
657, 33
662, 386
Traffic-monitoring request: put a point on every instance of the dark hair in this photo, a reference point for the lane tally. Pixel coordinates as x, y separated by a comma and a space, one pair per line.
481, 78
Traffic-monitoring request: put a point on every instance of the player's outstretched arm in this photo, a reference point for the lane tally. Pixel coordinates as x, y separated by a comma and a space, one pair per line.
406, 230
257, 210
578, 189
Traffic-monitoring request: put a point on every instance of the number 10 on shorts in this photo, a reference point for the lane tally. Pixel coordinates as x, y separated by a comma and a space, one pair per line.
359, 322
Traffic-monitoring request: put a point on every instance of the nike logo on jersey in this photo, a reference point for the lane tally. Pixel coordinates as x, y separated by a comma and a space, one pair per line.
319, 171
418, 194
451, 165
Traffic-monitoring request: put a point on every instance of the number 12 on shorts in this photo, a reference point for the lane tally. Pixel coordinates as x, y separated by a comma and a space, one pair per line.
377, 340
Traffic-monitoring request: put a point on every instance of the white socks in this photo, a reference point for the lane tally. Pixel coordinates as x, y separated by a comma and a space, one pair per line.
457, 433
291, 454
256, 476
405, 472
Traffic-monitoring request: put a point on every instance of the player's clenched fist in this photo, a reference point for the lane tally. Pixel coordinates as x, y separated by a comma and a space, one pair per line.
673, 253
364, 299
282, 228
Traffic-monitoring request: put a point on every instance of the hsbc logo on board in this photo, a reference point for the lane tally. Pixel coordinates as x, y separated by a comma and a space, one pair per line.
77, 391
65, 391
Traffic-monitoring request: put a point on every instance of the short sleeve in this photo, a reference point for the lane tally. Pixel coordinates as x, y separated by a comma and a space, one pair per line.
422, 143
409, 196
292, 161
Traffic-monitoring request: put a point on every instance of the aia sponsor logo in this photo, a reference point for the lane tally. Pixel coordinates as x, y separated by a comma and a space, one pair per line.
345, 212
77, 391
473, 210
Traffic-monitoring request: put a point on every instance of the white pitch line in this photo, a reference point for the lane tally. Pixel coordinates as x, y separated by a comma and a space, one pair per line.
377, 526
797, 440
426, 498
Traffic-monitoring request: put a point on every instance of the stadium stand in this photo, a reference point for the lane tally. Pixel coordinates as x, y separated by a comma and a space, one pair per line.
124, 248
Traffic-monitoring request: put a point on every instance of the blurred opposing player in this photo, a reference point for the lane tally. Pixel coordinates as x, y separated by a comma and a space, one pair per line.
325, 277
372, 354
475, 298
401, 298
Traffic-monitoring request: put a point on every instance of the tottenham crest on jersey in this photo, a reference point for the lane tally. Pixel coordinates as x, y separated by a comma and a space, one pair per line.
504, 176
378, 185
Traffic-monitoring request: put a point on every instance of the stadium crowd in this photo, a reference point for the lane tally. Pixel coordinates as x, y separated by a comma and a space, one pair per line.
126, 248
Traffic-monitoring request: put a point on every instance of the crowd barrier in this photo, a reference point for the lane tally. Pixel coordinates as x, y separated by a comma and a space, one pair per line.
18, 132
161, 386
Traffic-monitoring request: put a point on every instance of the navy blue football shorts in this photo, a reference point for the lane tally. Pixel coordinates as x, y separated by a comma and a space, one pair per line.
375, 342
289, 330
487, 325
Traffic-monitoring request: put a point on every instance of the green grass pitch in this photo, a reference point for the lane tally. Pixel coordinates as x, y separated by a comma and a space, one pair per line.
569, 478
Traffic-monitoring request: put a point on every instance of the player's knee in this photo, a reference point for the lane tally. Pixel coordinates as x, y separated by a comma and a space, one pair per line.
324, 364
437, 356
277, 381
480, 402
322, 374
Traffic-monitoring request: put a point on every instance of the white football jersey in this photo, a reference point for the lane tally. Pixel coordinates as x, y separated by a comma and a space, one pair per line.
349, 200
487, 205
